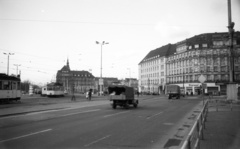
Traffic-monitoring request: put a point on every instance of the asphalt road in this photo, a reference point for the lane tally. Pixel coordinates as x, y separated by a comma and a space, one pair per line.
148, 126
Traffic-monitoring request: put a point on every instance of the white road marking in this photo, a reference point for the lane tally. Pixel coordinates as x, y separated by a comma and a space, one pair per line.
97, 140
154, 115
115, 114
79, 112
25, 135
168, 124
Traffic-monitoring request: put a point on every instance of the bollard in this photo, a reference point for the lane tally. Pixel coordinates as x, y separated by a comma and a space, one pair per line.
217, 105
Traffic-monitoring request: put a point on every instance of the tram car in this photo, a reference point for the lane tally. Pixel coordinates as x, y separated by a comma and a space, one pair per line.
53, 90
10, 88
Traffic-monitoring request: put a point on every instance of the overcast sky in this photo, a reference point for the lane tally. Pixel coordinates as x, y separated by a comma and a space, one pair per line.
42, 34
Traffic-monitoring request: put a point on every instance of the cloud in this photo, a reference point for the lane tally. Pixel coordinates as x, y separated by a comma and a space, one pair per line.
171, 33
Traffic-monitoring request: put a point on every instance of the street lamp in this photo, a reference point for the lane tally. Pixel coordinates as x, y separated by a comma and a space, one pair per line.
8, 61
101, 80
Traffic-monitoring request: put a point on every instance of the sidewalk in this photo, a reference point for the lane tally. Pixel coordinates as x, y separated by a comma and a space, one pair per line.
222, 127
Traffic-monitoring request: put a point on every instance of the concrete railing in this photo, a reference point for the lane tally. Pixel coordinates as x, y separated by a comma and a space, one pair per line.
196, 133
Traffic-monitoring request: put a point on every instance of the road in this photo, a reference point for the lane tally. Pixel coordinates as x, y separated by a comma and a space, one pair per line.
149, 126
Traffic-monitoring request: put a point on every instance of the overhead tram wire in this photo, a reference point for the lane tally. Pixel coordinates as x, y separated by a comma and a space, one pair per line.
48, 58
22, 53
106, 23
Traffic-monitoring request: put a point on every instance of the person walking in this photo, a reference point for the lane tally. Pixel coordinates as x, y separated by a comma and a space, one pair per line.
90, 94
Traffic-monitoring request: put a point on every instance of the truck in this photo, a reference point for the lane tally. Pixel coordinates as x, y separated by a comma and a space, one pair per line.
123, 96
173, 91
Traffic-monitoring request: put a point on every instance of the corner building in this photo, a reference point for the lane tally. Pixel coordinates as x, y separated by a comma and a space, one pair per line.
207, 55
182, 64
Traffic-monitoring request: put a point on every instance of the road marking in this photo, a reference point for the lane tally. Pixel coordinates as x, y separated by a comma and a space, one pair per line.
97, 141
79, 112
26, 135
154, 115
45, 111
115, 114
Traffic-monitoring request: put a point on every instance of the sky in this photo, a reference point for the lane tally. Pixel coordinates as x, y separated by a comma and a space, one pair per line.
43, 34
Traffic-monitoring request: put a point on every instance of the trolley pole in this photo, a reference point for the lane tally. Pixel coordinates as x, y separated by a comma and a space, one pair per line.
17, 68
8, 61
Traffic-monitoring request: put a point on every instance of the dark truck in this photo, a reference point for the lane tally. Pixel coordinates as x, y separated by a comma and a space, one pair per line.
173, 91
122, 96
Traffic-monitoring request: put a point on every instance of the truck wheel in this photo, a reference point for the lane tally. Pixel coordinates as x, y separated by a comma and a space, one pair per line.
135, 104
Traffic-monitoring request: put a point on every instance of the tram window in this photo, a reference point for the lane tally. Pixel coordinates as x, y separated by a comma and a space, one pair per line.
6, 85
1, 85
14, 86
18, 86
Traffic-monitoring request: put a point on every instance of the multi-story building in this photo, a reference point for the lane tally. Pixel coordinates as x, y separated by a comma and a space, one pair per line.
77, 81
207, 55
152, 69
184, 62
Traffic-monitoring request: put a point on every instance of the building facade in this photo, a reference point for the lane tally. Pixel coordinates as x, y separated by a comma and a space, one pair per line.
152, 70
75, 81
207, 55
184, 62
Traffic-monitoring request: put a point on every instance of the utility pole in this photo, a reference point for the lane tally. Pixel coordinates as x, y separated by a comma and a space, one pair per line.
231, 32
231, 87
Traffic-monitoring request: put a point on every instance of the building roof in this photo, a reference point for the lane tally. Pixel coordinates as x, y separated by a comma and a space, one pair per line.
82, 73
160, 52
200, 39
7, 77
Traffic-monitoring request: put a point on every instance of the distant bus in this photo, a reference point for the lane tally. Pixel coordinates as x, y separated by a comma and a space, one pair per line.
10, 88
53, 90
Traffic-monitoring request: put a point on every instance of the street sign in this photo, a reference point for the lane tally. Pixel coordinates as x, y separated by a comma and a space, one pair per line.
202, 79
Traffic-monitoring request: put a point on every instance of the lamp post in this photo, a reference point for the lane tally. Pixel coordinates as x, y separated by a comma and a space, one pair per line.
8, 61
101, 80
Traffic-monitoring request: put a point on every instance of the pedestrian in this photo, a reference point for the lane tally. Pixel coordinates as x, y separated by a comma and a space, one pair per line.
137, 93
90, 94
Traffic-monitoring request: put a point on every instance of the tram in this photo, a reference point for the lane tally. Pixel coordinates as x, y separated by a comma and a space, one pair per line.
53, 90
10, 88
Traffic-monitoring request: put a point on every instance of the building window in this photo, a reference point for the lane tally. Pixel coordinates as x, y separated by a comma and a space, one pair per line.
204, 45
196, 46
215, 68
208, 69
209, 77
218, 43
223, 68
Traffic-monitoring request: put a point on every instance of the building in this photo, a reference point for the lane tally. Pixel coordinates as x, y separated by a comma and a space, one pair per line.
77, 81
152, 70
207, 55
184, 62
